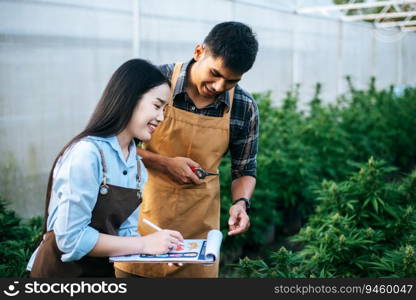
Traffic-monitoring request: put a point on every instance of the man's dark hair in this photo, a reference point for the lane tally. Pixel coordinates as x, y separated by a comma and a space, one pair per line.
234, 42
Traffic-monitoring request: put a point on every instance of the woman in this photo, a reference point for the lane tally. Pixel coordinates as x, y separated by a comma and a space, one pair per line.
95, 184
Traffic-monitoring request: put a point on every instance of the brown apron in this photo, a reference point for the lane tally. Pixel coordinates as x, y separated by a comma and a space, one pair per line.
191, 209
114, 205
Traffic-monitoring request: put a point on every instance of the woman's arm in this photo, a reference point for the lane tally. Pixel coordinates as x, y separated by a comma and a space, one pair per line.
74, 195
156, 243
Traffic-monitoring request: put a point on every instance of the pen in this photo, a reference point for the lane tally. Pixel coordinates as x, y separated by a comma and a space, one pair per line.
160, 229
151, 224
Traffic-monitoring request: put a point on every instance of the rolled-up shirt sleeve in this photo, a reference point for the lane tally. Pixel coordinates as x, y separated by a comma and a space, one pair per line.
76, 186
244, 144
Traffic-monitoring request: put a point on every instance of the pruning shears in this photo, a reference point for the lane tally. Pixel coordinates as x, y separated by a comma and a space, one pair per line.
201, 173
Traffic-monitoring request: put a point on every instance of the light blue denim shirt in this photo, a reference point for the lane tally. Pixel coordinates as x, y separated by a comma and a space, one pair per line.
76, 180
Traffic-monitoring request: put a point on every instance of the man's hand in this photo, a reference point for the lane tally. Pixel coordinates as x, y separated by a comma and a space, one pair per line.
179, 169
239, 221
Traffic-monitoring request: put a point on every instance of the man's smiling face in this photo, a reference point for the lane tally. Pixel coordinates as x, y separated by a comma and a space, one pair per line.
210, 76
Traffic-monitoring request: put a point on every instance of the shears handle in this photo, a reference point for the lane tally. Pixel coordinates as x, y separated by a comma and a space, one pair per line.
201, 173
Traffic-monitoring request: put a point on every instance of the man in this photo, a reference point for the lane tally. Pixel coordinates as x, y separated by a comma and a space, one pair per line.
208, 115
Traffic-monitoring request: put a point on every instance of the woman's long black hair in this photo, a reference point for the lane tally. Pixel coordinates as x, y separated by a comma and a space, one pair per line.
113, 112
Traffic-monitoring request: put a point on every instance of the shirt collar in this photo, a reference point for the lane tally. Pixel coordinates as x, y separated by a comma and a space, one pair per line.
113, 142
181, 84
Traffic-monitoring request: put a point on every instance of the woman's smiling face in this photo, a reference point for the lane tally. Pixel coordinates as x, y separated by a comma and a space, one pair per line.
148, 112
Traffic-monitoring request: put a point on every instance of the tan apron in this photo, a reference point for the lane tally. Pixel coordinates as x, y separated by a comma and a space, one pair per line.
191, 209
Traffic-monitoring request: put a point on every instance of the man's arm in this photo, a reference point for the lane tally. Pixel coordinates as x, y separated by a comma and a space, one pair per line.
243, 150
242, 187
178, 168
153, 161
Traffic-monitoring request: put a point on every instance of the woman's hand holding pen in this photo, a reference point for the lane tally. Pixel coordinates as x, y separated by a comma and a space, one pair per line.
161, 242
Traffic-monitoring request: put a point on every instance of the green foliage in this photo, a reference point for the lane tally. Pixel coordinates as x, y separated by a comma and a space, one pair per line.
381, 123
363, 227
298, 150
17, 241
284, 264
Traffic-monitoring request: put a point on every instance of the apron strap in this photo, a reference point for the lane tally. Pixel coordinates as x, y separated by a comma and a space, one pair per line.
102, 161
231, 99
173, 80
139, 174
